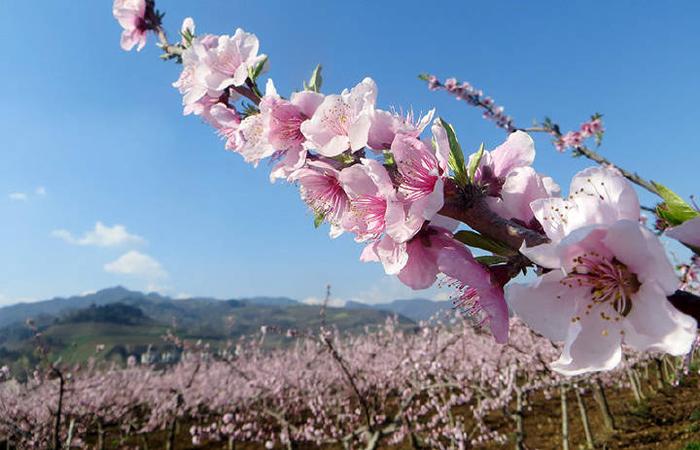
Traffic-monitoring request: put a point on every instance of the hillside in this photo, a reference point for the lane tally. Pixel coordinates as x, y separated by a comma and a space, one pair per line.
125, 322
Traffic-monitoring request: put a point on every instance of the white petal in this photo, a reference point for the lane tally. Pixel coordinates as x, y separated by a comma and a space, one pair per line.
335, 146
546, 305
688, 232
641, 251
654, 324
545, 255
359, 132
615, 198
553, 214
592, 345
392, 255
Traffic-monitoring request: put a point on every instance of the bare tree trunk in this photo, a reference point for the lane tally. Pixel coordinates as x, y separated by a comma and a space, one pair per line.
602, 401
172, 431
59, 410
100, 437
633, 384
584, 419
660, 380
564, 418
638, 380
231, 444
372, 440
518, 415
69, 439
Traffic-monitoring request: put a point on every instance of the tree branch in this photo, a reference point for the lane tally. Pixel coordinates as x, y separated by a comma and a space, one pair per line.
470, 208
686, 303
633, 177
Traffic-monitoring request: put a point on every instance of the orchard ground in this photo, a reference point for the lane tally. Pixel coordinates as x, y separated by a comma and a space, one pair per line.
668, 419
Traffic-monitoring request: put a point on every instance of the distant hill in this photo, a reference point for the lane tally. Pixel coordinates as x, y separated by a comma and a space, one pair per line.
127, 322
116, 313
416, 309
269, 301
157, 306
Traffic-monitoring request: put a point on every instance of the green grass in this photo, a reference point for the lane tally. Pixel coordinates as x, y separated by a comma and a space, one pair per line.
80, 339
695, 415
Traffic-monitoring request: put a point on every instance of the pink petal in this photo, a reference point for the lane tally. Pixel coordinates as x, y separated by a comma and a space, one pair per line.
688, 232
517, 151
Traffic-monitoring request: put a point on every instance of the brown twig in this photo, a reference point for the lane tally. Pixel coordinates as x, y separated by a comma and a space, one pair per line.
469, 207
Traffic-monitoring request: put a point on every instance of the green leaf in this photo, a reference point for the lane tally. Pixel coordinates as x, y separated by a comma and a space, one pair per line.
254, 72
315, 81
474, 162
477, 240
456, 159
248, 109
187, 36
318, 219
674, 209
490, 260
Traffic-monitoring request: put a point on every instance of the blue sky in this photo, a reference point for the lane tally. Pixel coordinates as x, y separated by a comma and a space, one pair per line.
89, 133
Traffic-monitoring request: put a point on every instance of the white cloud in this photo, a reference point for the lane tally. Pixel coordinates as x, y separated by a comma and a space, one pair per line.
18, 196
101, 236
138, 265
333, 302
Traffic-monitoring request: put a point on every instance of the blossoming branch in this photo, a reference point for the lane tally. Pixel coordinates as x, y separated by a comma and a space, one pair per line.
402, 186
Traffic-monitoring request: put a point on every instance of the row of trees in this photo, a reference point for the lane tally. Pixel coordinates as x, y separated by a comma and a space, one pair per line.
439, 385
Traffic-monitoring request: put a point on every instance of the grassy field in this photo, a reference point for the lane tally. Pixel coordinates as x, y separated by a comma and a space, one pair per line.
80, 339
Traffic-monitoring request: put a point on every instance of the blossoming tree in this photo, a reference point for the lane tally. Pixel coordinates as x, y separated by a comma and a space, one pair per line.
403, 188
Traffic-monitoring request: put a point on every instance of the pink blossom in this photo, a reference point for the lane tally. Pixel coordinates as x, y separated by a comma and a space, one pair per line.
495, 165
251, 140
688, 232
475, 97
131, 15
227, 63
509, 181
321, 189
370, 191
197, 98
386, 125
521, 187
418, 261
422, 171
283, 120
211, 65
227, 121
375, 205
609, 280
574, 139
592, 127
342, 122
